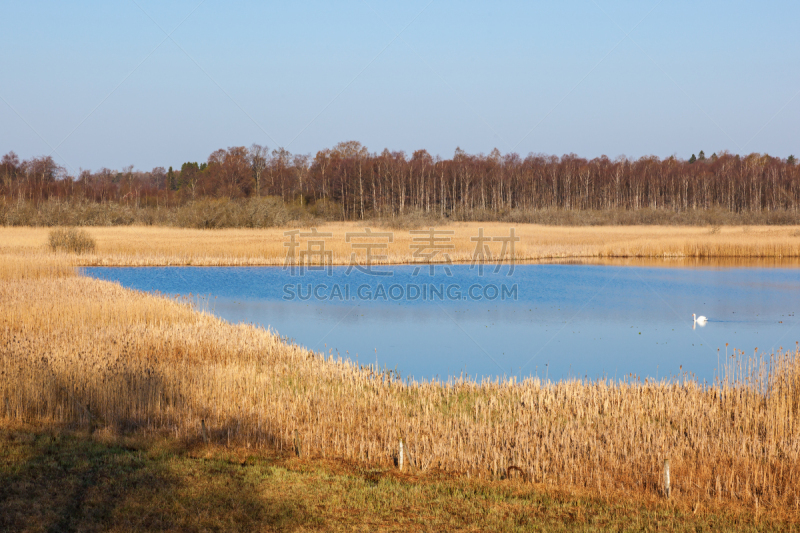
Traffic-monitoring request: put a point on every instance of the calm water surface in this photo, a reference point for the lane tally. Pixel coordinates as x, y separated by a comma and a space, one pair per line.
556, 321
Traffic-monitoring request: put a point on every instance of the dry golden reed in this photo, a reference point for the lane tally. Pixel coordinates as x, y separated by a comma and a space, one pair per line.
77, 351
162, 246
34, 266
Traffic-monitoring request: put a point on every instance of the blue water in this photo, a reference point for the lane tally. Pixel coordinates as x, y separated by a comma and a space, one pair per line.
554, 321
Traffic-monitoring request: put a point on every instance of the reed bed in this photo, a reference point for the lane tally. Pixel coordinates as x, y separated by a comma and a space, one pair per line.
81, 352
162, 246
35, 266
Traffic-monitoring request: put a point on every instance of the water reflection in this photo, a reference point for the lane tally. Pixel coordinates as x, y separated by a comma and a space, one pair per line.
682, 262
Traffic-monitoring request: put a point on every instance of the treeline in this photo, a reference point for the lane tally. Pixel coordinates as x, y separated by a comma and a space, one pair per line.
353, 183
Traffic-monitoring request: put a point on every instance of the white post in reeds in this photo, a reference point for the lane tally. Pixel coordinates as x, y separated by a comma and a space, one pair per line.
666, 478
400, 456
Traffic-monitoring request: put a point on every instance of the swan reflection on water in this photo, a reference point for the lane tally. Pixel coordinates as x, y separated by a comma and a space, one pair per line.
699, 320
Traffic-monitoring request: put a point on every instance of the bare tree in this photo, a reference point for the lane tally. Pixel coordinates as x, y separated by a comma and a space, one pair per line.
280, 169
301, 165
190, 174
465, 185
257, 155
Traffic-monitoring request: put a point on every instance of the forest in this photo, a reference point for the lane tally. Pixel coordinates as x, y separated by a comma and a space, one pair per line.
353, 184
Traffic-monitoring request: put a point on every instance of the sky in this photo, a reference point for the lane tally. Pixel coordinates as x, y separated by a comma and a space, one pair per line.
147, 83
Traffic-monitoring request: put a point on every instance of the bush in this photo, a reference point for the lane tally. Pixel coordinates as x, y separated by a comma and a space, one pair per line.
71, 240
413, 219
266, 211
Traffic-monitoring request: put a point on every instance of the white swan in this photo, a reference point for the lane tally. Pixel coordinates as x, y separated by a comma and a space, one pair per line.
699, 319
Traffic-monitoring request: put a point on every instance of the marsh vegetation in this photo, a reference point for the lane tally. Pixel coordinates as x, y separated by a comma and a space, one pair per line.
86, 354
157, 246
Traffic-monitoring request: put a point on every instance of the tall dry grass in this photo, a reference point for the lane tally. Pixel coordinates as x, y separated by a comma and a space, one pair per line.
77, 351
160, 246
16, 267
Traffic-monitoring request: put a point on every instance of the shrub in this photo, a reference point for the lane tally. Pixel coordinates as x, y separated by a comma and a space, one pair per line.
271, 211
71, 240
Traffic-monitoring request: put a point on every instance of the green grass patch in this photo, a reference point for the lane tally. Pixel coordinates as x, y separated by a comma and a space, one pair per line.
62, 481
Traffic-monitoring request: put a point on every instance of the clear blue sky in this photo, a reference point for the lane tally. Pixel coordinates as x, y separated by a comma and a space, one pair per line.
102, 84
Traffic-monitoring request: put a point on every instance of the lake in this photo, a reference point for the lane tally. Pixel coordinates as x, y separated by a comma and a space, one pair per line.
552, 320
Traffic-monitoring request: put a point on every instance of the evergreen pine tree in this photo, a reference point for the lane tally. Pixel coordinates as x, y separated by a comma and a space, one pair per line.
791, 160
172, 182
692, 159
701, 156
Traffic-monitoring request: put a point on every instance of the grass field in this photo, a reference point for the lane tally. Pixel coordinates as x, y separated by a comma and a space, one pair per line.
56, 480
128, 411
148, 245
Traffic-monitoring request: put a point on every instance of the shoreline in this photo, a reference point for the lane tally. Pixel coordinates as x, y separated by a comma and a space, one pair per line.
635, 262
